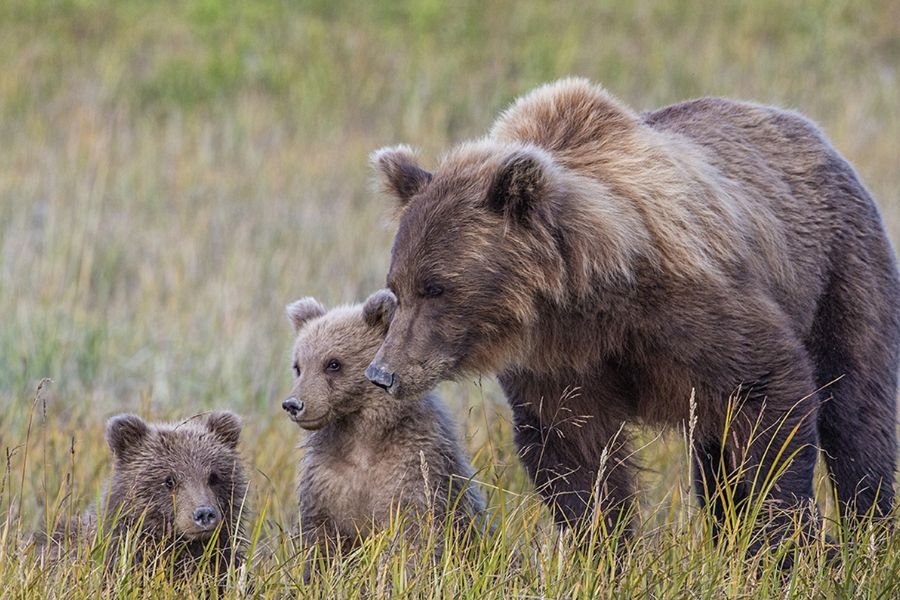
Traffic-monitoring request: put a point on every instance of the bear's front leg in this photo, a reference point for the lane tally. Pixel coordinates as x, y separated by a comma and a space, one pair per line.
576, 450
320, 542
762, 445
774, 450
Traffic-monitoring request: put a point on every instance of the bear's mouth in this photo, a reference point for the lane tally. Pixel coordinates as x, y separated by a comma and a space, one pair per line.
311, 424
197, 536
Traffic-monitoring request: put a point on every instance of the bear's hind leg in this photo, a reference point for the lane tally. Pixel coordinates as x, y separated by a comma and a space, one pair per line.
857, 431
860, 457
855, 343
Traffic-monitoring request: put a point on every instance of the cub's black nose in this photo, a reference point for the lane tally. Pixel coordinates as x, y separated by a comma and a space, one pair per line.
205, 516
380, 376
293, 406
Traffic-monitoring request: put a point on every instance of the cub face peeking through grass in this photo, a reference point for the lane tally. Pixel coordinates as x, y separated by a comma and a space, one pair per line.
177, 490
370, 454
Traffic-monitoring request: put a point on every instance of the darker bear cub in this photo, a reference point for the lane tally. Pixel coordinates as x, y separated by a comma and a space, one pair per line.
180, 487
370, 454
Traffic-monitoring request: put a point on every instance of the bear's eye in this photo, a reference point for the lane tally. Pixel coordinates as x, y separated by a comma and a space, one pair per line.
169, 482
333, 366
296, 369
214, 479
431, 290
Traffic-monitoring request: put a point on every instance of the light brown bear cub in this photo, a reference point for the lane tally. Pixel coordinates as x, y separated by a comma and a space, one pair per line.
176, 485
370, 454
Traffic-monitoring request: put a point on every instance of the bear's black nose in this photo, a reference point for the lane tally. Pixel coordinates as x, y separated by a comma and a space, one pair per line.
380, 376
205, 516
293, 406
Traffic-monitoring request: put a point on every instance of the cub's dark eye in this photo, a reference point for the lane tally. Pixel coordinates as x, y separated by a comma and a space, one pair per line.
431, 290
214, 479
333, 366
296, 369
169, 483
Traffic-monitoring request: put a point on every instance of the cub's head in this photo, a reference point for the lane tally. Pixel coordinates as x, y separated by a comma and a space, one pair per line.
476, 248
183, 479
330, 356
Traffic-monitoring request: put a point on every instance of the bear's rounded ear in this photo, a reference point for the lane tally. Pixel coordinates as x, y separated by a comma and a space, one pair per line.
379, 309
398, 172
226, 426
520, 183
125, 433
302, 310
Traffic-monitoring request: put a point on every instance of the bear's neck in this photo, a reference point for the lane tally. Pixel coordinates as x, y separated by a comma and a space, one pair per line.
373, 424
598, 236
571, 337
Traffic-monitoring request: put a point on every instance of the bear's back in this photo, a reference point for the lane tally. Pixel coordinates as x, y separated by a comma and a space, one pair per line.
729, 190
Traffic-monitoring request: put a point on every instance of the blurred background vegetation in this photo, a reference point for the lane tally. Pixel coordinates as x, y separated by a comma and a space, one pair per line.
172, 173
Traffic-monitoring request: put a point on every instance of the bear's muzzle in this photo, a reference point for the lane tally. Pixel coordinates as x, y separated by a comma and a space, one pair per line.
380, 377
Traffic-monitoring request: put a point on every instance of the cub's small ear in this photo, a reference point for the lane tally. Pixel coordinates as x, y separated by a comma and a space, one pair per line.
520, 183
125, 433
226, 426
379, 309
303, 310
398, 172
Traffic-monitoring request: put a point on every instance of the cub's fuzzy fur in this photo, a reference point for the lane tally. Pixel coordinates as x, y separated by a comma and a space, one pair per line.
176, 486
369, 455
607, 265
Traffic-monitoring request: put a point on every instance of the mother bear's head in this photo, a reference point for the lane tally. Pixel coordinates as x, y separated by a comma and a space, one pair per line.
477, 249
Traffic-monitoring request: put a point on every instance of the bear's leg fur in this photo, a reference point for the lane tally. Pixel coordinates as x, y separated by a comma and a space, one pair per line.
709, 474
769, 450
855, 341
777, 457
759, 441
860, 454
747, 470
770, 442
580, 461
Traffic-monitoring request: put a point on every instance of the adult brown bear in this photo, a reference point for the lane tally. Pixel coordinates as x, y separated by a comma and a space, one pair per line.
605, 264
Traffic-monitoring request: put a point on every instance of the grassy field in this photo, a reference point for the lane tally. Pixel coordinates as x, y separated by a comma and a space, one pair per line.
173, 173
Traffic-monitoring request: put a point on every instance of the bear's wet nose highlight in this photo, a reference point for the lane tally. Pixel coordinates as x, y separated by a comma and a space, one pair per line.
380, 376
205, 516
292, 406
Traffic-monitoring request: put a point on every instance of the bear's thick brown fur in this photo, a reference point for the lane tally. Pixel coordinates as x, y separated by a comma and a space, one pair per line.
606, 263
370, 454
176, 486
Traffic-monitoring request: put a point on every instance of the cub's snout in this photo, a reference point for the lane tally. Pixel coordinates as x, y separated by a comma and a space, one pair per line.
205, 517
293, 406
